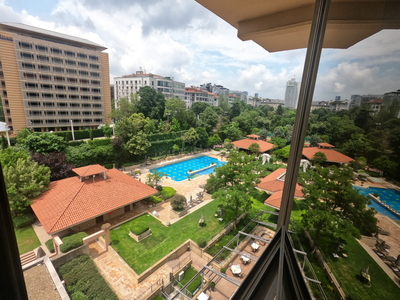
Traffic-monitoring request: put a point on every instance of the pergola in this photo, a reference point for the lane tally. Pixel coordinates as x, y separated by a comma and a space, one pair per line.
284, 25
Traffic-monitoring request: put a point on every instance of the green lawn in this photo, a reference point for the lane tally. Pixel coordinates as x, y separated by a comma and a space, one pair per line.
26, 239
189, 274
140, 256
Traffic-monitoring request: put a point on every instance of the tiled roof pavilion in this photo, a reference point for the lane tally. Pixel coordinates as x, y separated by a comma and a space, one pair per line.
253, 138
331, 155
273, 184
71, 201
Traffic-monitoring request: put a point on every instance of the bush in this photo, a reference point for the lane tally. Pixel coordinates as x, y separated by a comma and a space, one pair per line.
159, 188
76, 143
83, 279
155, 199
100, 142
167, 192
202, 244
50, 245
139, 228
178, 202
72, 241
223, 270
23, 221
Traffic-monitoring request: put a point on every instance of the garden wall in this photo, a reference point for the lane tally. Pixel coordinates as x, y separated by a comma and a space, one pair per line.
65, 257
141, 236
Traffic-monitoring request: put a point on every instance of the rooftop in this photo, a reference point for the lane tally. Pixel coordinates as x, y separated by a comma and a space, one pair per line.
71, 201
331, 155
245, 144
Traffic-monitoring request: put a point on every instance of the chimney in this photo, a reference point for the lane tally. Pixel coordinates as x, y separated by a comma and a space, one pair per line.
105, 175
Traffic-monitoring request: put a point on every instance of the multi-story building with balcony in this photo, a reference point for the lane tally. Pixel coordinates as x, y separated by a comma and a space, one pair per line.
50, 80
195, 94
126, 85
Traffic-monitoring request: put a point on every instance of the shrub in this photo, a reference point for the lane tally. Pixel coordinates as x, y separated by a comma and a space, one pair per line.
23, 221
178, 202
202, 244
84, 281
138, 228
159, 188
223, 270
155, 199
73, 241
100, 142
76, 143
50, 245
167, 192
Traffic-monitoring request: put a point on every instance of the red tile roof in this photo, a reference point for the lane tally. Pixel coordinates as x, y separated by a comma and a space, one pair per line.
89, 170
245, 144
331, 155
70, 201
273, 183
253, 136
326, 145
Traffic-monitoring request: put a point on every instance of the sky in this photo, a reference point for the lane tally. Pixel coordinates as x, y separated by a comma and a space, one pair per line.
182, 39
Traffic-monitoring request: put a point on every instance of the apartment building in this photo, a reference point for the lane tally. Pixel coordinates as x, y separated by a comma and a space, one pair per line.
126, 85
48, 79
195, 94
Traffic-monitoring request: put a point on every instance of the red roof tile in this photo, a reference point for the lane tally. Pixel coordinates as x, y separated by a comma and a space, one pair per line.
245, 144
89, 170
70, 201
326, 145
253, 136
331, 155
273, 184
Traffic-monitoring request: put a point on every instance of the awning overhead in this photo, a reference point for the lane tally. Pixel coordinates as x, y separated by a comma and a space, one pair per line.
285, 24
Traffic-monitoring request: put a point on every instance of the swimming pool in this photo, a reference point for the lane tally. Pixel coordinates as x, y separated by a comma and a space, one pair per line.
179, 171
387, 196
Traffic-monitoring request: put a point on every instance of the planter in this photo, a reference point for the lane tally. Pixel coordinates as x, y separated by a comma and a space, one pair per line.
141, 236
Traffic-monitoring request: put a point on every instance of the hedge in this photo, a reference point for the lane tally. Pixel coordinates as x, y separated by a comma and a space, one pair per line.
23, 221
76, 143
50, 245
167, 192
84, 281
155, 199
162, 147
80, 134
165, 136
72, 241
139, 228
100, 142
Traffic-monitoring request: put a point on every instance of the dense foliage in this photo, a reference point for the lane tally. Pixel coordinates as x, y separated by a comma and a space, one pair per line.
72, 241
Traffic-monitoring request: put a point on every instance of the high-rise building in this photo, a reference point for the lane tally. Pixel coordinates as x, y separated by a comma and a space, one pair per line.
291, 93
391, 100
126, 85
48, 79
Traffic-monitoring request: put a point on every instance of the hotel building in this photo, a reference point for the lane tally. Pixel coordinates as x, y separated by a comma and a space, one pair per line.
50, 80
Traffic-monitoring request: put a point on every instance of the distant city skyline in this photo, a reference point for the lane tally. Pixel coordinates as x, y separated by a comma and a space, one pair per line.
182, 39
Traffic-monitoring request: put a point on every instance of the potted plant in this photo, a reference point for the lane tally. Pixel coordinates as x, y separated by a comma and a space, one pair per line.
212, 285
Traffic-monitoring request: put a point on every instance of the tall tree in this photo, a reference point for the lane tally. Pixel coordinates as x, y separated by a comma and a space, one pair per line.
127, 127
43, 143
209, 119
151, 103
126, 107
173, 107
199, 107
57, 163
137, 144
190, 137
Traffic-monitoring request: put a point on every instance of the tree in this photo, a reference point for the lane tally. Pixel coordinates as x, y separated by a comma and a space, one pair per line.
279, 142
25, 180
331, 189
151, 103
174, 106
233, 132
283, 153
315, 140
153, 178
254, 148
203, 137
386, 165
279, 110
319, 157
178, 202
214, 140
43, 143
234, 200
137, 144
125, 107
57, 163
223, 103
127, 127
209, 119
190, 137
107, 130
199, 107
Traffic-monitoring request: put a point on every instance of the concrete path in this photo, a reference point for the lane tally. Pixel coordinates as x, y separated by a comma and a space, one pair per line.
42, 236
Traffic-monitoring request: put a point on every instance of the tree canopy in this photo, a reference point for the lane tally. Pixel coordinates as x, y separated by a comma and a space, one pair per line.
151, 103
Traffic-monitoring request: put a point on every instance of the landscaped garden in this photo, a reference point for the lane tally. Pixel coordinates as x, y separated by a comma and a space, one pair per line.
189, 274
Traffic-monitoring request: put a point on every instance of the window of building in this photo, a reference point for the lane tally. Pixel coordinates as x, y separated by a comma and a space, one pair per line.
59, 78
24, 45
94, 66
93, 57
45, 77
47, 96
97, 112
85, 97
70, 62
32, 95
87, 120
82, 64
62, 113
98, 120
71, 71
69, 53
83, 73
94, 74
28, 66
59, 87
41, 48
31, 85
33, 103
95, 82
73, 88
42, 57
56, 50
74, 104
35, 113
50, 113
62, 104
43, 68
46, 86
96, 90
97, 105
84, 81
69, 79
29, 76
96, 98
58, 69
86, 105
48, 104
61, 96
85, 89
74, 97
81, 55
57, 60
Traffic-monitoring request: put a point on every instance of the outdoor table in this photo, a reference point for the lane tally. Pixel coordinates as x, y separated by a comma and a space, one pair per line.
236, 270
255, 246
245, 259
202, 296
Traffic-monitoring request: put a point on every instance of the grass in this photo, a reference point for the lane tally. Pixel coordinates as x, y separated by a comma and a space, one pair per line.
189, 274
140, 256
26, 239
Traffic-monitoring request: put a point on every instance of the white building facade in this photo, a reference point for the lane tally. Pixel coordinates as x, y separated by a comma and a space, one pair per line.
291, 93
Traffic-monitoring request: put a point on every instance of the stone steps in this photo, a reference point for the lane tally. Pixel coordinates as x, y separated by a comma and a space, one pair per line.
27, 257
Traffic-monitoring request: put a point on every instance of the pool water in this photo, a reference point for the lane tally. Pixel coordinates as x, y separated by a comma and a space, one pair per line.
387, 196
179, 171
